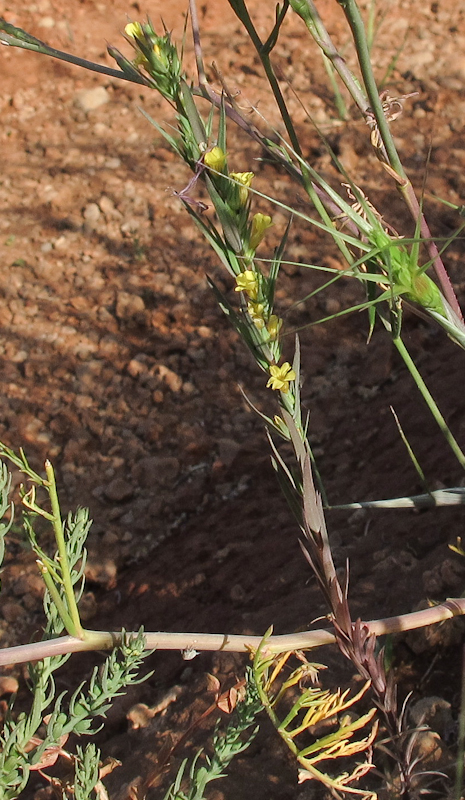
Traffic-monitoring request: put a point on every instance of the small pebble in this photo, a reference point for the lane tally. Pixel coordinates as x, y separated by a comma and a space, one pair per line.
90, 99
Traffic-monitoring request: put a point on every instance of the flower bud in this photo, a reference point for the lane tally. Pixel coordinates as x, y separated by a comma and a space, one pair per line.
215, 159
256, 313
273, 326
134, 30
260, 224
245, 179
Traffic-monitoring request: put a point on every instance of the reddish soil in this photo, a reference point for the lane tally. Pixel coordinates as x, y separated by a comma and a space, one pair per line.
117, 364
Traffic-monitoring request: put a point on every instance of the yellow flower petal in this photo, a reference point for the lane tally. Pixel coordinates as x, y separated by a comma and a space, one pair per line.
244, 178
215, 159
134, 29
256, 312
273, 326
260, 223
247, 282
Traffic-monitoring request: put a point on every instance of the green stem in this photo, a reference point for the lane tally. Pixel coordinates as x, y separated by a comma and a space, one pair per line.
354, 18
429, 400
55, 595
280, 17
77, 629
11, 36
371, 24
338, 98
357, 27
259, 680
307, 10
241, 11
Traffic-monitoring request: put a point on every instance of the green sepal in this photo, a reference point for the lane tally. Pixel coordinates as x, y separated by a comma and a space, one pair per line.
130, 71
193, 115
226, 217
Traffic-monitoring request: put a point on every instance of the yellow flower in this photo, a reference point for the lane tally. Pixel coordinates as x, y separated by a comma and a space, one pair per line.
260, 223
281, 376
256, 312
245, 179
247, 282
273, 326
215, 159
134, 30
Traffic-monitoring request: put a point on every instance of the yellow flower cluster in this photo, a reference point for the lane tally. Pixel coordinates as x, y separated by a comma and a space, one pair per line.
250, 281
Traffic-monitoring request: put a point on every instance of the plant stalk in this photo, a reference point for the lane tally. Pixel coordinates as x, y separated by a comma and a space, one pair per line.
429, 400
76, 629
233, 643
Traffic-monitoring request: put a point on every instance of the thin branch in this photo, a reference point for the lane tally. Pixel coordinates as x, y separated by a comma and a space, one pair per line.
307, 10
8, 39
233, 643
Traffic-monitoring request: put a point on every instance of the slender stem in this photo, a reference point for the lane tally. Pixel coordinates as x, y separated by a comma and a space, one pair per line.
357, 27
242, 13
233, 643
338, 98
371, 24
439, 268
44, 49
197, 44
307, 10
323, 203
280, 17
77, 629
55, 595
272, 80
310, 187
429, 400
